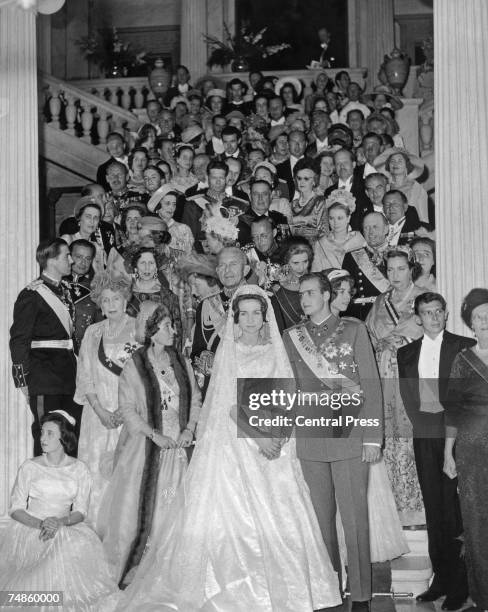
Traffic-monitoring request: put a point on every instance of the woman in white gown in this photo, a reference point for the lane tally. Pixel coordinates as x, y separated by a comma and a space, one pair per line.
241, 534
47, 546
105, 348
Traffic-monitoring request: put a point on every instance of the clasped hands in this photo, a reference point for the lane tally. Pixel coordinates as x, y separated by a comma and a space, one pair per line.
49, 528
270, 447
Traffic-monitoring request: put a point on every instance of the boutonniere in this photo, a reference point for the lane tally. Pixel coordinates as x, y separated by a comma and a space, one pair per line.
130, 349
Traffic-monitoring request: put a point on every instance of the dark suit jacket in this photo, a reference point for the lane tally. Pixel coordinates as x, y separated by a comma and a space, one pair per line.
426, 424
412, 223
285, 173
363, 203
107, 232
245, 220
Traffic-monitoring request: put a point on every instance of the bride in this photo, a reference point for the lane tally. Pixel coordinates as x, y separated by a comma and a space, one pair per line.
241, 534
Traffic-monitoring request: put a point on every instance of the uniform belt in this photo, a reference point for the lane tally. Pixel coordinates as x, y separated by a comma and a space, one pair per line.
365, 300
52, 344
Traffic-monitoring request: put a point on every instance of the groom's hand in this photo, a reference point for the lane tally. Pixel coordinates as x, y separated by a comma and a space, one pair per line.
371, 453
269, 447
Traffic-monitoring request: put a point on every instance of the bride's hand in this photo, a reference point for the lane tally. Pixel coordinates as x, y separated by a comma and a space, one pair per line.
269, 447
164, 442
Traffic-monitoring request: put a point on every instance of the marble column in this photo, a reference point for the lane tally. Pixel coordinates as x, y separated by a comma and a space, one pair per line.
373, 25
193, 25
19, 220
461, 149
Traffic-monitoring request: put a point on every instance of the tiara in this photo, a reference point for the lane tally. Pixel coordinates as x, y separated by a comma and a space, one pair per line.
402, 248
341, 196
71, 420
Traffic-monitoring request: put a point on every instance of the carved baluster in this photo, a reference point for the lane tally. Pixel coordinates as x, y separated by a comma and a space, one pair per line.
71, 112
125, 99
113, 97
139, 97
86, 122
55, 108
426, 133
103, 128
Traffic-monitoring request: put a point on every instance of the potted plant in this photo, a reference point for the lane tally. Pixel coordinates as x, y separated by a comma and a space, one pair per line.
241, 51
114, 57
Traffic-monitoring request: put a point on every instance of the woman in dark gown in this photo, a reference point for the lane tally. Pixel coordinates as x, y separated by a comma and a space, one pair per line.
296, 257
467, 425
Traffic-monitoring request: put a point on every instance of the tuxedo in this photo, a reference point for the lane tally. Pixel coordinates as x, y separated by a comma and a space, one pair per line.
363, 203
244, 107
442, 511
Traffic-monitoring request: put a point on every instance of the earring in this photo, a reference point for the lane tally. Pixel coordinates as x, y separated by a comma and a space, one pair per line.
136, 274
155, 275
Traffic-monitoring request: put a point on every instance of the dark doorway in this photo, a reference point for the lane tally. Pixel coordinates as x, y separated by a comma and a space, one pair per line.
296, 22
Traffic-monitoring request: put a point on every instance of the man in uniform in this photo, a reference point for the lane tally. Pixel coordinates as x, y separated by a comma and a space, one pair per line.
232, 268
367, 266
41, 345
330, 355
86, 311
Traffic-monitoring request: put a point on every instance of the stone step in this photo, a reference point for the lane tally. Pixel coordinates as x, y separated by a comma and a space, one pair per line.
410, 574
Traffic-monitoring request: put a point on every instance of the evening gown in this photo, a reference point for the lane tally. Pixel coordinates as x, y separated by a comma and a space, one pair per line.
73, 561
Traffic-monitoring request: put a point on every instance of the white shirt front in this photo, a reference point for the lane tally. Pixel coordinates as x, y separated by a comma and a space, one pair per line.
293, 161
322, 145
345, 184
395, 231
430, 354
218, 145
280, 121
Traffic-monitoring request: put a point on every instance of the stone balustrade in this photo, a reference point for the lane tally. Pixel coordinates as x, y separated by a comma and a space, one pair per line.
82, 114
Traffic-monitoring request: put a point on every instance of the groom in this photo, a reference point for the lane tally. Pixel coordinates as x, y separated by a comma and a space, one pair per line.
327, 355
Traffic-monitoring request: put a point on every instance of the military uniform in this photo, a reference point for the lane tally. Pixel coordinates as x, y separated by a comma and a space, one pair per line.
41, 346
337, 356
368, 270
86, 311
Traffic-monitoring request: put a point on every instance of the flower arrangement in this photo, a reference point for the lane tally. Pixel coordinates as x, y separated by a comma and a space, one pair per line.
244, 44
106, 50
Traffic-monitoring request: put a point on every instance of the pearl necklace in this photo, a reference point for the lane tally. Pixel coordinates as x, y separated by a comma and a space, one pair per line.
118, 328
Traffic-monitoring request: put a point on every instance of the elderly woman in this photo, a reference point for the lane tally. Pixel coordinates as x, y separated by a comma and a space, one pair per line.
308, 207
138, 162
47, 546
467, 426
424, 251
392, 323
403, 168
105, 348
160, 404
184, 178
329, 250
296, 259
88, 215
